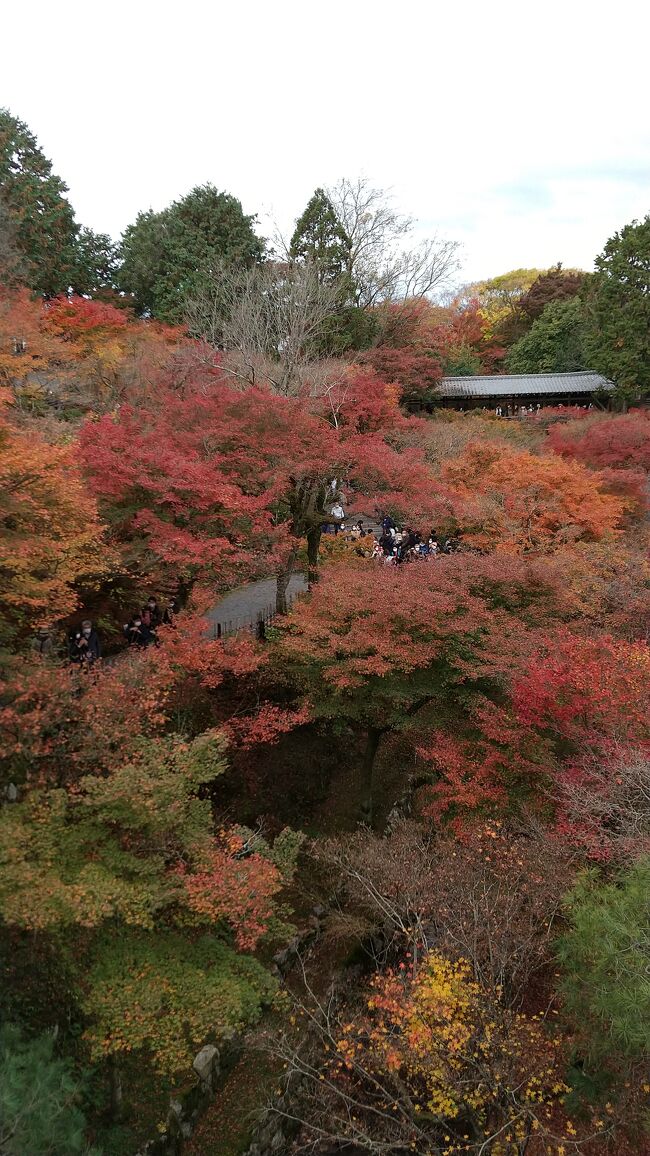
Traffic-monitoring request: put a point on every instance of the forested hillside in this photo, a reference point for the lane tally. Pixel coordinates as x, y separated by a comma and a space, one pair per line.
371, 876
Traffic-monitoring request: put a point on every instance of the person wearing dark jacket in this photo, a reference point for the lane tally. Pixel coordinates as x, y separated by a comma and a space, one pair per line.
138, 633
387, 543
406, 545
151, 615
170, 612
84, 645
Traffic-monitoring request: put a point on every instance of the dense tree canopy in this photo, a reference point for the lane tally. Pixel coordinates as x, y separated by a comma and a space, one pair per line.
246, 475
499, 298
137, 850
618, 442
619, 310
518, 502
167, 256
556, 284
465, 668
46, 231
555, 342
51, 534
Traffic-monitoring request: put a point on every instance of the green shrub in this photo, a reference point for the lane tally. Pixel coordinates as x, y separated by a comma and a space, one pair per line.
40, 1113
605, 957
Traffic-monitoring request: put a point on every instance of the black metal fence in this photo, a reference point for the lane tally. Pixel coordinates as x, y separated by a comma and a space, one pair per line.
256, 621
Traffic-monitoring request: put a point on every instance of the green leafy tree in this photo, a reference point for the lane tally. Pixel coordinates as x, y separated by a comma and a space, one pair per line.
96, 263
161, 910
374, 652
170, 256
605, 956
555, 343
618, 339
166, 994
461, 361
39, 1099
36, 199
320, 239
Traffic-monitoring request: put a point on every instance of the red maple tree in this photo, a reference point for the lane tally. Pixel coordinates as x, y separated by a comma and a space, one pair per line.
223, 483
617, 441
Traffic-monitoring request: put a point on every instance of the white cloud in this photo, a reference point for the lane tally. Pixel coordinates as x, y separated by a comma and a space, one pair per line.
460, 109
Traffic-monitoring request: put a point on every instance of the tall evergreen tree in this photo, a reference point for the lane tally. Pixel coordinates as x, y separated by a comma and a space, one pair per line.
618, 339
605, 956
320, 239
168, 257
46, 231
95, 264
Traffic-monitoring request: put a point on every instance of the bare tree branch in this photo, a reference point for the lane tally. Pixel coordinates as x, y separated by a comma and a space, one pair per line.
382, 266
270, 322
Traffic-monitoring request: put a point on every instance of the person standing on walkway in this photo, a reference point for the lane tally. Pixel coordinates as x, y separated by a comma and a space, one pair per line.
43, 643
338, 512
84, 645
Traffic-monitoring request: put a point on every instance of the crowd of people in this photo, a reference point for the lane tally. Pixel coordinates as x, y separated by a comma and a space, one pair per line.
83, 646
513, 409
394, 545
140, 630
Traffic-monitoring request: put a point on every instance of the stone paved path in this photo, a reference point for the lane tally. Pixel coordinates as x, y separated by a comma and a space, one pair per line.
242, 607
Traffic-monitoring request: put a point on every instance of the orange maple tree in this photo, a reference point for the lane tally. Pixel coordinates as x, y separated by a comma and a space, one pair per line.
433, 1062
516, 502
52, 538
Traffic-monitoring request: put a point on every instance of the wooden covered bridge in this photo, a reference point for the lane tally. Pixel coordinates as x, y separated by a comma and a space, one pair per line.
510, 391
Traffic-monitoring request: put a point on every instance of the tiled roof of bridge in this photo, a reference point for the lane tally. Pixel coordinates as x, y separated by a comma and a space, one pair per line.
523, 384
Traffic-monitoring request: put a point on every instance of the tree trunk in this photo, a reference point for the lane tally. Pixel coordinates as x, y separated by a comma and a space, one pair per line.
282, 583
183, 592
313, 544
373, 738
116, 1107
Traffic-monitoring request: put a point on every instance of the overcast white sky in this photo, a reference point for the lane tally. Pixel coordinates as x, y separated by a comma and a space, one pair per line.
518, 128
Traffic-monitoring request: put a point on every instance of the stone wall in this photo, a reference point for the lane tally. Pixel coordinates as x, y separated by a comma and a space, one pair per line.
273, 1134
212, 1064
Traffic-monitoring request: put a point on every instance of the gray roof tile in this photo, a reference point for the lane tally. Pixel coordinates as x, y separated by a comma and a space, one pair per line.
523, 384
